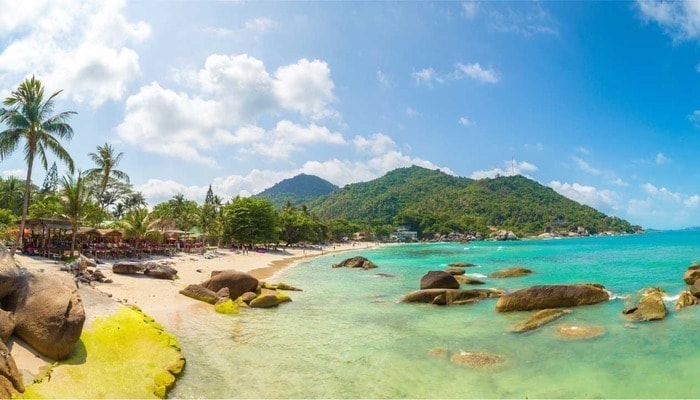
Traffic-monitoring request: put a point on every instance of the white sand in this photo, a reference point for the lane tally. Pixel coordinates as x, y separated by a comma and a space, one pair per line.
156, 297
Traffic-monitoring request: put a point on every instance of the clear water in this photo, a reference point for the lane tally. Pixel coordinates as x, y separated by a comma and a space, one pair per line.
347, 336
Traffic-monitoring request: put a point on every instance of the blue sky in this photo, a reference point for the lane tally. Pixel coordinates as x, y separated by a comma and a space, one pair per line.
598, 100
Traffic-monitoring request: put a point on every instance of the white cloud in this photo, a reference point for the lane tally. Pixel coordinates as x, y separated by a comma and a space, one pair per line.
679, 19
260, 25
511, 168
692, 201
583, 150
426, 76
695, 118
75, 45
661, 193
413, 113
585, 167
17, 173
230, 94
470, 9
662, 159
477, 73
383, 79
533, 21
589, 195
377, 143
464, 121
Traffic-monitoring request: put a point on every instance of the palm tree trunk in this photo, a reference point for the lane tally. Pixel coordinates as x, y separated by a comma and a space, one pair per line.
72, 244
25, 206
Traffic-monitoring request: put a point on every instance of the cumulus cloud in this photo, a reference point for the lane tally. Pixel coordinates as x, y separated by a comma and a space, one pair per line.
426, 77
589, 195
511, 168
662, 192
377, 143
79, 46
692, 201
476, 72
228, 95
695, 118
17, 173
679, 19
470, 9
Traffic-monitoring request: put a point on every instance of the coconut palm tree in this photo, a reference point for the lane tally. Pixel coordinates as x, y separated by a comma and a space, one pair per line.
138, 224
29, 119
75, 203
11, 193
106, 161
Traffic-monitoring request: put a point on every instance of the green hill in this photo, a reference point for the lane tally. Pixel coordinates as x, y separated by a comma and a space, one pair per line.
431, 201
297, 190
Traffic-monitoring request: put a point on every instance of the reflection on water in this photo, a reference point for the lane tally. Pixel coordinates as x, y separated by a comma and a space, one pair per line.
346, 335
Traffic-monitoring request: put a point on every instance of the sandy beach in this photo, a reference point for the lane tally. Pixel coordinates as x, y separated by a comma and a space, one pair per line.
156, 297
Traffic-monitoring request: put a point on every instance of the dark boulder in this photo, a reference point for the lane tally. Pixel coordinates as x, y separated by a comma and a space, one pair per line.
128, 267
513, 272
160, 271
551, 296
356, 262
438, 280
237, 282
692, 274
49, 314
7, 325
9, 272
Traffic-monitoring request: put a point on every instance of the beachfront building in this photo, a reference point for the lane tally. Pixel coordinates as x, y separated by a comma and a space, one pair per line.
404, 234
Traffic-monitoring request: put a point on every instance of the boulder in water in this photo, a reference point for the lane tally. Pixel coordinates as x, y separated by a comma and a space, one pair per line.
552, 296
265, 301
540, 318
685, 299
651, 307
512, 272
237, 282
450, 296
692, 274
455, 270
356, 262
466, 280
438, 280
461, 264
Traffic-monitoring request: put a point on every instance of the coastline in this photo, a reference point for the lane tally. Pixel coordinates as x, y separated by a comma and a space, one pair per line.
157, 298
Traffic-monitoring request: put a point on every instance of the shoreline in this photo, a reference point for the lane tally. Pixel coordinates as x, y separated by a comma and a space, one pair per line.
157, 298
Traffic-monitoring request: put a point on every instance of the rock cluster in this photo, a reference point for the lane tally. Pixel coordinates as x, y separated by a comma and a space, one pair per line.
158, 270
43, 310
230, 289
651, 306
502, 235
356, 262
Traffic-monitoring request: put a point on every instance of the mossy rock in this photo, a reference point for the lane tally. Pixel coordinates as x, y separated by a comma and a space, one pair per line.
227, 306
124, 355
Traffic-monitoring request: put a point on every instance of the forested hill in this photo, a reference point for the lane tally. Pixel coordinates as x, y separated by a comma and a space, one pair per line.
297, 190
431, 201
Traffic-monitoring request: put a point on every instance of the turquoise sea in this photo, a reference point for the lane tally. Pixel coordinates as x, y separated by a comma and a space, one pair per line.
347, 336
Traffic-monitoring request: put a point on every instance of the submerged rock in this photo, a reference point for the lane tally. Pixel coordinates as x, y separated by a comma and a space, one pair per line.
438, 280
539, 318
513, 272
438, 352
481, 360
455, 270
461, 264
450, 296
356, 262
685, 299
466, 280
552, 296
568, 331
265, 301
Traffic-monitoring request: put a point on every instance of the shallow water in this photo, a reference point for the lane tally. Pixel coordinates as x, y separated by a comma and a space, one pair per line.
347, 336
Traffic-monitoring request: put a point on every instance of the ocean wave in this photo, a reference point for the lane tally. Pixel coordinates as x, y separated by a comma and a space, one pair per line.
670, 298
615, 296
477, 275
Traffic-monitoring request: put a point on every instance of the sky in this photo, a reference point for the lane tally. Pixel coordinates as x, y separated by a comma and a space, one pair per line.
598, 100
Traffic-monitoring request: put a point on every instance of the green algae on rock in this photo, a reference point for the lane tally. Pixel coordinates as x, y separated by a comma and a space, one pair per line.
227, 306
124, 355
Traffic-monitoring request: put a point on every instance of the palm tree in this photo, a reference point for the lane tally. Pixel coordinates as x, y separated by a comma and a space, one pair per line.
29, 117
106, 162
138, 224
11, 194
75, 201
